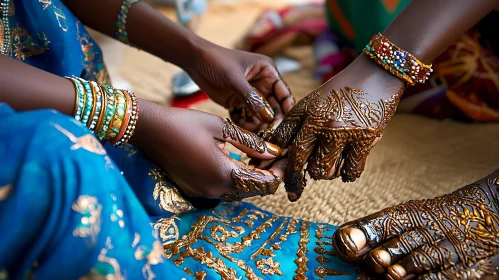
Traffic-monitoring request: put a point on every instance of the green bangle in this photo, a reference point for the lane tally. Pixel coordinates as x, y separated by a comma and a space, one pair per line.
109, 113
80, 102
89, 100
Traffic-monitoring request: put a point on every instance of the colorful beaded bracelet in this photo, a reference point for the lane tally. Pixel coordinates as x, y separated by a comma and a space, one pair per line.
121, 34
399, 62
134, 116
109, 113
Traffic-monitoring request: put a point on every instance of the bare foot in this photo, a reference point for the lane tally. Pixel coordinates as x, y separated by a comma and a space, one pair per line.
455, 236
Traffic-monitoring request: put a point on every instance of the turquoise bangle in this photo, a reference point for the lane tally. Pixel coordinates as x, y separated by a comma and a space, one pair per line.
119, 114
109, 113
79, 96
88, 102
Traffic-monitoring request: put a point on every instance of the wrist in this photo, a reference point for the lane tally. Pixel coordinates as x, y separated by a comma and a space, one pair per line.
365, 74
141, 126
186, 52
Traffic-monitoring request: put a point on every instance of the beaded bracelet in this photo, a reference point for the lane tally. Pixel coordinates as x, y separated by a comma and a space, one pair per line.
121, 34
119, 114
89, 100
111, 114
132, 121
79, 98
110, 111
399, 62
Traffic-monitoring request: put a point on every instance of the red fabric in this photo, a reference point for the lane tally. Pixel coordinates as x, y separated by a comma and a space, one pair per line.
188, 101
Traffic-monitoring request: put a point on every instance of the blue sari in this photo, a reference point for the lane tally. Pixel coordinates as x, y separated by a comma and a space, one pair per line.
71, 208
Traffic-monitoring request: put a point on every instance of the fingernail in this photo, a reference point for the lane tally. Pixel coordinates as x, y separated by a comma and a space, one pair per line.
378, 260
273, 149
397, 272
292, 196
266, 114
354, 239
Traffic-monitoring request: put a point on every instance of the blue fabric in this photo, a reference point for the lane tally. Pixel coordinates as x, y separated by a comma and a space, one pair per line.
45, 34
67, 211
73, 209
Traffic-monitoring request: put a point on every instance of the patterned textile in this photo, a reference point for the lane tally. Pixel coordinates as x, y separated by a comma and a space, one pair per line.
73, 209
465, 83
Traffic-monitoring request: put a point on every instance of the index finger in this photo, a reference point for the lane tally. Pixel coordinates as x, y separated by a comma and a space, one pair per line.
250, 181
283, 94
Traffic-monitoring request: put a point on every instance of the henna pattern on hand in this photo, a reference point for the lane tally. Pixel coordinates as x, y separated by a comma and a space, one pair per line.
327, 130
251, 140
232, 131
248, 179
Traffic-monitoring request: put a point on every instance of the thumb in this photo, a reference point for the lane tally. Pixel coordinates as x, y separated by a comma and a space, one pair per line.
256, 102
248, 142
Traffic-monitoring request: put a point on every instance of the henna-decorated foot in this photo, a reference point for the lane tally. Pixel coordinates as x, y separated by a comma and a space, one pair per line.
455, 236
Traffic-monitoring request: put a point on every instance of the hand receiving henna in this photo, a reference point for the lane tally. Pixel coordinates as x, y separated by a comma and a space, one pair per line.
247, 84
189, 146
335, 127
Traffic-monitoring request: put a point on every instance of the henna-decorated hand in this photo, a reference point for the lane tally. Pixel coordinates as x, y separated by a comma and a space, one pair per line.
189, 147
247, 84
455, 236
335, 127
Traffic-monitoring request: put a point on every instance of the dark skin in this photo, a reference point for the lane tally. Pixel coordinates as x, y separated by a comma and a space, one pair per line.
233, 79
177, 140
451, 237
425, 42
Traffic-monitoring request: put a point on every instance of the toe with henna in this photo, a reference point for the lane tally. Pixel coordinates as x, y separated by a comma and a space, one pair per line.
455, 236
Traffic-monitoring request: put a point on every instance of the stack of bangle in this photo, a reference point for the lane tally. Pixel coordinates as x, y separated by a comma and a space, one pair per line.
399, 62
111, 114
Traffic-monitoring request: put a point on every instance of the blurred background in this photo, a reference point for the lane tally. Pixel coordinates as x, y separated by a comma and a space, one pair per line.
419, 157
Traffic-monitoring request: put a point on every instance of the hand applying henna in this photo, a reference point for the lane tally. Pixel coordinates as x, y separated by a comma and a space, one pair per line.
190, 148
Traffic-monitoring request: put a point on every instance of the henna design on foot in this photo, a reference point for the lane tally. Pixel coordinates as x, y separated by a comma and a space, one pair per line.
455, 236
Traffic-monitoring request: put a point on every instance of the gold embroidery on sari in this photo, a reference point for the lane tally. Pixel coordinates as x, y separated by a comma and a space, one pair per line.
321, 270
108, 268
25, 46
168, 229
117, 216
95, 68
59, 15
170, 198
129, 150
223, 230
153, 257
87, 142
90, 221
301, 261
5, 191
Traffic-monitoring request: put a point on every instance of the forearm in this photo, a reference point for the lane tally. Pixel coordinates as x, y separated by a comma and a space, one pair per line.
24, 87
147, 29
425, 28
